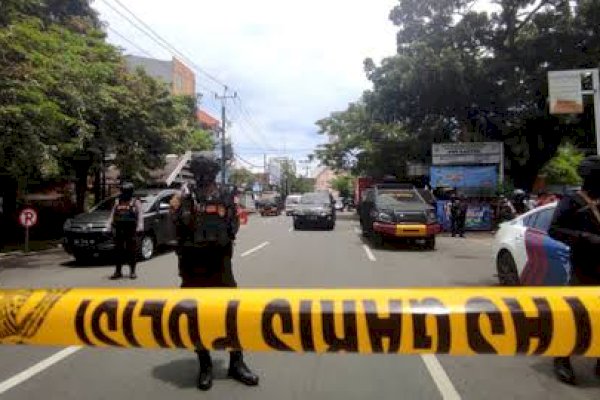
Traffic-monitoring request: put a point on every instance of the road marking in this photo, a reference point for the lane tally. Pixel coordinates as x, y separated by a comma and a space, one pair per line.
291, 229
37, 368
254, 249
357, 230
369, 253
441, 379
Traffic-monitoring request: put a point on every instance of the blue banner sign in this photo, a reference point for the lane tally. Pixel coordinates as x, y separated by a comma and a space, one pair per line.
464, 176
479, 216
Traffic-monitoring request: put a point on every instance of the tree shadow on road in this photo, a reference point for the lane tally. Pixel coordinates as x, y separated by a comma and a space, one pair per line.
183, 373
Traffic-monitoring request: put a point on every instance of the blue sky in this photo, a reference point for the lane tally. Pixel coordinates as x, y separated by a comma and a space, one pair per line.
292, 63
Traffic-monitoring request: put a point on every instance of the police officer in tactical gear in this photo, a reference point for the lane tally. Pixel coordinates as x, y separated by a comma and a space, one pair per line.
206, 224
576, 222
127, 221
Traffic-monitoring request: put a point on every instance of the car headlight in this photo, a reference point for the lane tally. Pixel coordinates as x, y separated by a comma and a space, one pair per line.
384, 217
431, 217
67, 225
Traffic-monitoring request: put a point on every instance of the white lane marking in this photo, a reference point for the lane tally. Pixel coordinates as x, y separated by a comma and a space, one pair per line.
440, 377
37, 368
357, 230
369, 253
254, 249
291, 229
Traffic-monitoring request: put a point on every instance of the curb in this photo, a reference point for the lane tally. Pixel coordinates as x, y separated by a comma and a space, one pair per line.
21, 253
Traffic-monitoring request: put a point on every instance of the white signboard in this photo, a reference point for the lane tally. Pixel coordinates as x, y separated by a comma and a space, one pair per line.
466, 153
565, 92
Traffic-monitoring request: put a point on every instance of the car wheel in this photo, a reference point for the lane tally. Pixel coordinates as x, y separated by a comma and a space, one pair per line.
147, 245
331, 226
507, 270
296, 226
430, 243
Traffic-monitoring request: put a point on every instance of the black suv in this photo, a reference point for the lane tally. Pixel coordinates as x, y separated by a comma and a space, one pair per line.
398, 211
89, 234
315, 209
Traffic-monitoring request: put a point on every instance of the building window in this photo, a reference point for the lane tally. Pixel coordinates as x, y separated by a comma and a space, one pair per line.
178, 83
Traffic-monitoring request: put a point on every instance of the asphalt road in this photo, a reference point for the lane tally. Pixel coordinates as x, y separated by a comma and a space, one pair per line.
270, 254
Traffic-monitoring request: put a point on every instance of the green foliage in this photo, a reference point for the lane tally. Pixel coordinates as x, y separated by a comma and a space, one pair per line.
67, 100
343, 184
241, 176
301, 185
562, 169
464, 75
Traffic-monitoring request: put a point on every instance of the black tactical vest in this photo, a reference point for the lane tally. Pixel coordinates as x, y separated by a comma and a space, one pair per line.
205, 221
125, 215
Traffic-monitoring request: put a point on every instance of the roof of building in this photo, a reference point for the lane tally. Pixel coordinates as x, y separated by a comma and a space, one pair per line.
207, 120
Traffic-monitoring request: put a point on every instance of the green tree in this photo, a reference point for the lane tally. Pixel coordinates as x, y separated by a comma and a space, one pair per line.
562, 168
301, 184
343, 184
241, 177
464, 75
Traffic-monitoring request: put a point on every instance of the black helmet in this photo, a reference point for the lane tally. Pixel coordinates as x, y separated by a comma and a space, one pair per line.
590, 166
126, 191
204, 166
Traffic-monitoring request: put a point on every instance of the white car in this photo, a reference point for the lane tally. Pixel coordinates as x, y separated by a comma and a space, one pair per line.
525, 254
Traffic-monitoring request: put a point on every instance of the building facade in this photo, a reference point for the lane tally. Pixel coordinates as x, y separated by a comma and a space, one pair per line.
180, 78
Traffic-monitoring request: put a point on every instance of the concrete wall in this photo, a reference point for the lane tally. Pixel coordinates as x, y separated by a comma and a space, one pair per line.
156, 68
180, 78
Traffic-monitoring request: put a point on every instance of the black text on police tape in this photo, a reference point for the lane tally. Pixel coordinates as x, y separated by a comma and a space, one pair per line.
382, 322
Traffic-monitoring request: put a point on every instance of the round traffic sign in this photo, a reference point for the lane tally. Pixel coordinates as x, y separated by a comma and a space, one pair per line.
28, 217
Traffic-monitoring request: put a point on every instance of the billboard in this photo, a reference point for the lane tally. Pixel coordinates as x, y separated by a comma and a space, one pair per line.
564, 88
464, 176
466, 153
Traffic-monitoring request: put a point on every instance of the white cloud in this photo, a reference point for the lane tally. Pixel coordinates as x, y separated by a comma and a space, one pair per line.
292, 62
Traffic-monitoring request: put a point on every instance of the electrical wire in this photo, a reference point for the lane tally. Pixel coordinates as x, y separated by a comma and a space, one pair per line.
159, 37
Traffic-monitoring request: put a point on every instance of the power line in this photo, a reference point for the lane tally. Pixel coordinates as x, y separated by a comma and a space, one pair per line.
239, 117
161, 41
245, 114
247, 162
114, 31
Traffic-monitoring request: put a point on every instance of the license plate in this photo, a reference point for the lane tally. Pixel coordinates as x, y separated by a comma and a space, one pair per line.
312, 217
84, 242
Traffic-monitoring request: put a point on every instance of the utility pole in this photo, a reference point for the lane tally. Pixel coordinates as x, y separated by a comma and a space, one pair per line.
224, 99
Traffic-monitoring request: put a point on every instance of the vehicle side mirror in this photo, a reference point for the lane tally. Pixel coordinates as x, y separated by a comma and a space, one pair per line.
164, 206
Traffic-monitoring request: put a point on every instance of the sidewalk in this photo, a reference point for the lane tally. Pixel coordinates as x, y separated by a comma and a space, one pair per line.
57, 248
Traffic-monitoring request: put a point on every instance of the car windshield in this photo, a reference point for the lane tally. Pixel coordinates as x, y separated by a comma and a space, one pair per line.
292, 200
397, 197
314, 198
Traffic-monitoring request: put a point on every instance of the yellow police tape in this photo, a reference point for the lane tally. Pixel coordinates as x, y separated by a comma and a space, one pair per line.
461, 321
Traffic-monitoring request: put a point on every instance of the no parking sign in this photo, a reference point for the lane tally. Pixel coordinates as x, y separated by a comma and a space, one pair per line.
28, 218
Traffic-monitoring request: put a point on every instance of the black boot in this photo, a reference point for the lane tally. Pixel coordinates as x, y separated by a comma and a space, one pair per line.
117, 274
239, 371
132, 274
563, 370
205, 377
